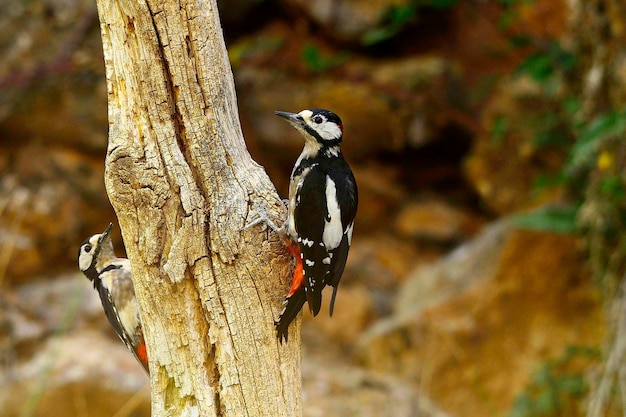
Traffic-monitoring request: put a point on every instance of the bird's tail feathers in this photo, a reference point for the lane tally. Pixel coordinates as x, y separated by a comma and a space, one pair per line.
293, 305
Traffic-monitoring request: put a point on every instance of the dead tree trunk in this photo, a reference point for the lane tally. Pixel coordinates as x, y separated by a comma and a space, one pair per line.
182, 184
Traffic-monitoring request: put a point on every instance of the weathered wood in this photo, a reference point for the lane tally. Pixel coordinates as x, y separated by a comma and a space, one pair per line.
182, 184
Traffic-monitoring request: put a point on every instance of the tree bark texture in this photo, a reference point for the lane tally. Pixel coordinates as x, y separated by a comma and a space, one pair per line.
183, 185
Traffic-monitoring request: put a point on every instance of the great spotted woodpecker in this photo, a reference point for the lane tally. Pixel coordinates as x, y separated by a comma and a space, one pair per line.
113, 279
322, 206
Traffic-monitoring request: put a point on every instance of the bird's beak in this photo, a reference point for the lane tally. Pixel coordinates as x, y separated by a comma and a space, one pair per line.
293, 118
105, 234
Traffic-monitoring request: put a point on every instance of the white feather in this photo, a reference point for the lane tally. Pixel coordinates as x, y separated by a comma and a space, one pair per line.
332, 229
328, 130
349, 233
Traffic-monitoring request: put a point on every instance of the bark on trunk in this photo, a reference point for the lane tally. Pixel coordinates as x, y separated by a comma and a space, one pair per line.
182, 184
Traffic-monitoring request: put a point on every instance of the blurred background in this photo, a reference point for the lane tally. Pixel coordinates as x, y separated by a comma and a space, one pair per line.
486, 273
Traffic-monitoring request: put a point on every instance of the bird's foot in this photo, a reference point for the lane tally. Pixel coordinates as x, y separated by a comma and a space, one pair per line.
260, 212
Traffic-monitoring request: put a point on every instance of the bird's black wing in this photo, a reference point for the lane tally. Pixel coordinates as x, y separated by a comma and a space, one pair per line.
348, 198
310, 218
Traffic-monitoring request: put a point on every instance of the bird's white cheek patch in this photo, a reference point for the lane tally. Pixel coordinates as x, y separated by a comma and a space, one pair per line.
332, 229
84, 260
329, 131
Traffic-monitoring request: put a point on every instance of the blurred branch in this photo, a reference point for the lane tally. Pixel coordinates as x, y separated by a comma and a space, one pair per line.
613, 373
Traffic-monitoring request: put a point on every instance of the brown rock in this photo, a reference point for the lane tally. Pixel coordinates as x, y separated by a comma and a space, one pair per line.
354, 311
61, 357
380, 195
471, 263
52, 77
76, 375
505, 161
432, 219
50, 195
34, 311
538, 301
339, 390
53, 120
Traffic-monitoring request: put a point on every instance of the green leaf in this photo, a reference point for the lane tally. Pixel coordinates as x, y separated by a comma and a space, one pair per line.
439, 4
583, 152
392, 21
539, 66
549, 219
378, 35
499, 129
550, 61
613, 187
317, 62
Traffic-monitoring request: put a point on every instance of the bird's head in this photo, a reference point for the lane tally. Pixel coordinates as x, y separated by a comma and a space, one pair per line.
90, 250
319, 125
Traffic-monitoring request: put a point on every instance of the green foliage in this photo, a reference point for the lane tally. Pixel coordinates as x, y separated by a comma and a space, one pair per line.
396, 17
438, 4
593, 135
510, 12
499, 129
317, 62
589, 152
590, 146
557, 387
590, 138
552, 130
613, 187
549, 219
251, 48
548, 66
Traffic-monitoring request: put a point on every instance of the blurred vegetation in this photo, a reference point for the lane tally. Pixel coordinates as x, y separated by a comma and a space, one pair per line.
316, 61
590, 143
595, 208
396, 17
593, 172
558, 387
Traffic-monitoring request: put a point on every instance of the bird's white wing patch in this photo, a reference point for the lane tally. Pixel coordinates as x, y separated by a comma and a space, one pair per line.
333, 232
349, 233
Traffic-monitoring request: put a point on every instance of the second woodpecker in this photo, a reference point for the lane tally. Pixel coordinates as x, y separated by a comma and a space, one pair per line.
323, 200
113, 279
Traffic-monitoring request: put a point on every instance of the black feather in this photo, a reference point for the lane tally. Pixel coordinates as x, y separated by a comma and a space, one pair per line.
337, 265
293, 305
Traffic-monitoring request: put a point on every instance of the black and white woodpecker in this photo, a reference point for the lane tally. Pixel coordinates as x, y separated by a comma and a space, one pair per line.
322, 205
113, 279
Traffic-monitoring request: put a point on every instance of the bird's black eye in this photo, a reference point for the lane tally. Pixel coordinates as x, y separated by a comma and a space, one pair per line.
87, 248
318, 119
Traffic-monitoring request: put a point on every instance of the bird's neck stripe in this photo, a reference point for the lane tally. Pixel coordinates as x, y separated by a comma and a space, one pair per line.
110, 267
